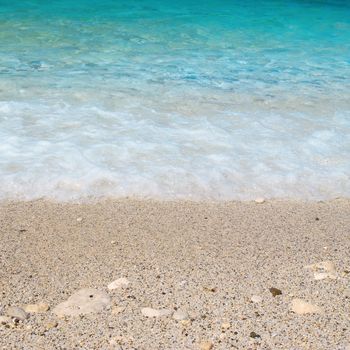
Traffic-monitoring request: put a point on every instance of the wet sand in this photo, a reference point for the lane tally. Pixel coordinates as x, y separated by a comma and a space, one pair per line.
216, 263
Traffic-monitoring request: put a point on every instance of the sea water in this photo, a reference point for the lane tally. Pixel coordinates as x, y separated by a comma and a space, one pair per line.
214, 99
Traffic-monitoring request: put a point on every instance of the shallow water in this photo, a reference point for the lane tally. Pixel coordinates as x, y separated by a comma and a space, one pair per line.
200, 100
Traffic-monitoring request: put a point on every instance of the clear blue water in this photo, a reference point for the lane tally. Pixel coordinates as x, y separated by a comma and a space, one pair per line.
188, 99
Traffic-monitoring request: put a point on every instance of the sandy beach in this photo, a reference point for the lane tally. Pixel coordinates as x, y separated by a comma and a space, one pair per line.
191, 275
175, 175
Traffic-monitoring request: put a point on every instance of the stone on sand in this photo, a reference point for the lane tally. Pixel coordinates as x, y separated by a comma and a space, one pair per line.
225, 325
149, 312
85, 301
36, 308
254, 335
119, 283
180, 315
206, 345
17, 313
51, 325
323, 270
185, 323
260, 200
275, 291
301, 307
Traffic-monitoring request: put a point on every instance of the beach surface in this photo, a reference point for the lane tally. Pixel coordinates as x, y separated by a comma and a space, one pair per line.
226, 275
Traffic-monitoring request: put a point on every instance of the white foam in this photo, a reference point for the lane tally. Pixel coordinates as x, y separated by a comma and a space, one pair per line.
166, 145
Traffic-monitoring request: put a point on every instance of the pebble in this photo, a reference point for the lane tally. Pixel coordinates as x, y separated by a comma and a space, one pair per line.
185, 323
260, 200
51, 325
323, 270
17, 313
302, 307
149, 312
256, 299
225, 325
254, 335
206, 345
5, 319
79, 219
85, 301
180, 315
318, 276
119, 283
36, 308
275, 291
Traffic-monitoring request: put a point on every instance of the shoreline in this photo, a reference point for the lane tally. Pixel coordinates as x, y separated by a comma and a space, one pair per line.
90, 200
215, 261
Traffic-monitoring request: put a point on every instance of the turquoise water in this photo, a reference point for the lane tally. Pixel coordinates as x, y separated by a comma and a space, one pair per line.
188, 99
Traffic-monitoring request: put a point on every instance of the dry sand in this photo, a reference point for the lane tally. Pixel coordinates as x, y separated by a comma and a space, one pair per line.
214, 263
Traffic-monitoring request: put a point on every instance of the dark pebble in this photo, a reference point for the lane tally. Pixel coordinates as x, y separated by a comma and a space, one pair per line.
275, 291
254, 335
